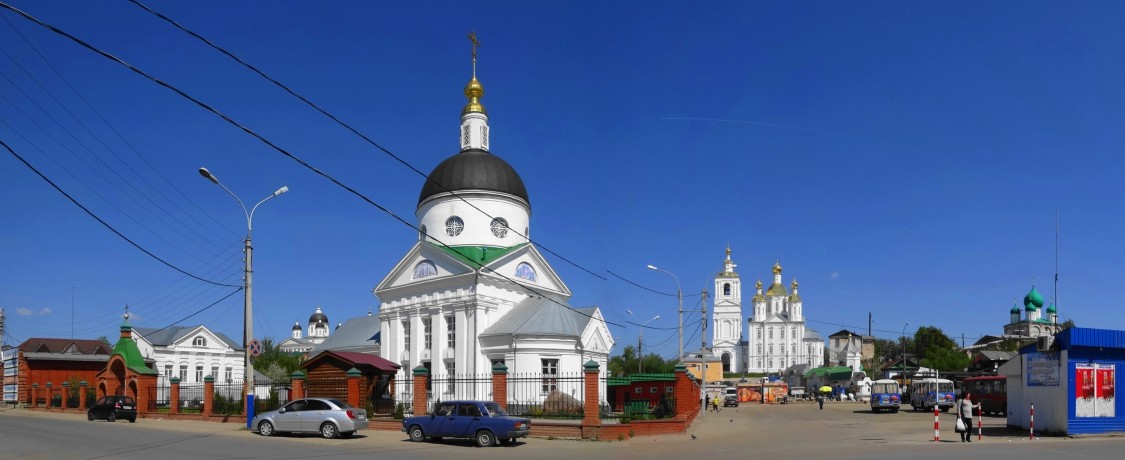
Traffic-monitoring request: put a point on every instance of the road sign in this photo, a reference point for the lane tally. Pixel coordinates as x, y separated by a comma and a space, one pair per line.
255, 347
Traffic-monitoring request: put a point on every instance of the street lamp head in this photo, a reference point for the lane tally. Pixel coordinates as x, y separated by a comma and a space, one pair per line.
205, 173
656, 317
630, 312
281, 190
652, 267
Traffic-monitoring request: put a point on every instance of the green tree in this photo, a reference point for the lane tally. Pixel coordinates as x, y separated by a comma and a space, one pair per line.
274, 363
931, 337
627, 362
945, 359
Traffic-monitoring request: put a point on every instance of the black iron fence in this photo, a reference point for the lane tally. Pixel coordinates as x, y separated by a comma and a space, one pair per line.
403, 394
557, 396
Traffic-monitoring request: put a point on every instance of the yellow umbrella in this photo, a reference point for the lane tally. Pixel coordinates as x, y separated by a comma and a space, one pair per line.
826, 389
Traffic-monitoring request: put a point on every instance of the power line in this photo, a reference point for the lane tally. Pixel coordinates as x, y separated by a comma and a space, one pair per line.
110, 227
293, 157
351, 129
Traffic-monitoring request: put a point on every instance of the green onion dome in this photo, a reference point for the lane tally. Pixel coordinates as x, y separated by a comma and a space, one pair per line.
1033, 301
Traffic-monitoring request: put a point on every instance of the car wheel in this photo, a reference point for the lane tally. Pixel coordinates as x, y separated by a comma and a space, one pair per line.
945, 409
90, 416
133, 420
485, 438
265, 428
416, 433
111, 417
328, 430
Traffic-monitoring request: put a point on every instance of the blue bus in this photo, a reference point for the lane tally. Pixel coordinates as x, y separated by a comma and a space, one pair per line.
927, 393
885, 395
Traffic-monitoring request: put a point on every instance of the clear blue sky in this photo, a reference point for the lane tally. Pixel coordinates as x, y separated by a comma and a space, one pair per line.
903, 160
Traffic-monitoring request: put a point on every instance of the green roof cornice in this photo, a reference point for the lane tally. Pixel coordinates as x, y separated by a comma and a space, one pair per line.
476, 256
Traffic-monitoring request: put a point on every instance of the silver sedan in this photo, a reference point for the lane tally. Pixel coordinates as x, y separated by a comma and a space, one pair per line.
329, 417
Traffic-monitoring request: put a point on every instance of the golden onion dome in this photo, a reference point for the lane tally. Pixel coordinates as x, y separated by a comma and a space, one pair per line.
474, 91
777, 289
776, 269
758, 296
795, 297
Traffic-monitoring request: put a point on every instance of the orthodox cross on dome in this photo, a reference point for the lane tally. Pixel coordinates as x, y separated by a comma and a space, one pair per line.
476, 44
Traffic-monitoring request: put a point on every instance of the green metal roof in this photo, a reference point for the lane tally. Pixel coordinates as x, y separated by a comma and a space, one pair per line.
631, 379
833, 372
127, 348
477, 255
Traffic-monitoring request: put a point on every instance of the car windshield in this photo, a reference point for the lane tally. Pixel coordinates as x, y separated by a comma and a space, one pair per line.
495, 410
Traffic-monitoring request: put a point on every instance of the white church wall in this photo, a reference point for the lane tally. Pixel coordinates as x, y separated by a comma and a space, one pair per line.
477, 230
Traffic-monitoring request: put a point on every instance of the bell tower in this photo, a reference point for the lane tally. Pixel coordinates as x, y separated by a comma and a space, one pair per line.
727, 322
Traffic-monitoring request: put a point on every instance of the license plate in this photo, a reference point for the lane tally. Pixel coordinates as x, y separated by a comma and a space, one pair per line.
126, 407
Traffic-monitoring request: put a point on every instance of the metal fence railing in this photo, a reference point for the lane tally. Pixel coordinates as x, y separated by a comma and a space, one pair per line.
557, 396
459, 386
403, 393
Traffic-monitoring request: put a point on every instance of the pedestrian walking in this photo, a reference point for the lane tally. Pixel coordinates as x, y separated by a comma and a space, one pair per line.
965, 413
715, 402
820, 400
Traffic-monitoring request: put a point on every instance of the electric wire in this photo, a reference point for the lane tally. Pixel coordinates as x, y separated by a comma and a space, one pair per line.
545, 295
351, 129
104, 223
201, 310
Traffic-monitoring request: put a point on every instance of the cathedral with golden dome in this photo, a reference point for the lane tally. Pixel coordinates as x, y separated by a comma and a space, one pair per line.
775, 337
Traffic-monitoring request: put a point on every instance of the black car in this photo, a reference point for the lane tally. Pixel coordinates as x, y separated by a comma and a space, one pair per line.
730, 400
112, 408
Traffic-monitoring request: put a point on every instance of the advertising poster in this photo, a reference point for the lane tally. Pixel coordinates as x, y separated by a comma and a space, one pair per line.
1094, 386
1104, 385
1042, 370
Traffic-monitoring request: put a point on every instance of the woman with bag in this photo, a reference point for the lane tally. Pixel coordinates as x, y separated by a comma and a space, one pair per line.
965, 416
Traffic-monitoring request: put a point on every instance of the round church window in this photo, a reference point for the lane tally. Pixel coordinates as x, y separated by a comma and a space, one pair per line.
454, 225
499, 227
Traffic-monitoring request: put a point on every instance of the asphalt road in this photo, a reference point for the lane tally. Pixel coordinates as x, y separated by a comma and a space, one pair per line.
842, 430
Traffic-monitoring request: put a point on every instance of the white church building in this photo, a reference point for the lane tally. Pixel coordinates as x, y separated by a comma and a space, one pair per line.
775, 337
473, 291
317, 332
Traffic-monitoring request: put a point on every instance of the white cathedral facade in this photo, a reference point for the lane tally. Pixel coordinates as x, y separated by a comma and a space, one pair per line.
473, 291
317, 333
775, 337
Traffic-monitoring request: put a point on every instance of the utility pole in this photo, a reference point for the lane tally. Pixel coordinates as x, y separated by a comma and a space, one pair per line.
868, 324
703, 354
1, 326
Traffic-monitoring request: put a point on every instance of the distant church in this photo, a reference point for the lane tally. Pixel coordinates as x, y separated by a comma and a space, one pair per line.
1035, 322
775, 338
317, 331
473, 291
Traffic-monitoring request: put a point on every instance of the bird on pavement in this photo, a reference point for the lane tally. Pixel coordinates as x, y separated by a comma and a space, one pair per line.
693, 436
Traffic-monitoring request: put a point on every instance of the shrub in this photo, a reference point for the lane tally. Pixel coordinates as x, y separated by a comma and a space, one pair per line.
400, 410
620, 436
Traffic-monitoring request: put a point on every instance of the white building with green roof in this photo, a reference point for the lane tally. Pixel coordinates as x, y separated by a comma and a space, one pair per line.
1035, 322
473, 291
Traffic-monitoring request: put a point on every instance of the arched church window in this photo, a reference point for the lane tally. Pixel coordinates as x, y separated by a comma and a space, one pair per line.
199, 342
759, 352
525, 271
454, 225
771, 332
726, 288
424, 268
499, 227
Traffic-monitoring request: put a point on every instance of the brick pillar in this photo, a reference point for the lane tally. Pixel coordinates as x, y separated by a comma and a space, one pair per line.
421, 378
685, 399
590, 405
500, 385
353, 386
174, 396
50, 394
297, 385
209, 396
82, 395
34, 394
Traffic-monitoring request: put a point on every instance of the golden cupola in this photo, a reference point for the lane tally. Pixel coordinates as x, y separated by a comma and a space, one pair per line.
474, 91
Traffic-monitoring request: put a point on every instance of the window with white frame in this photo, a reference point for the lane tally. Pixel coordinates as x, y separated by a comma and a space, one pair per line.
406, 335
198, 372
229, 372
183, 372
550, 375
199, 342
167, 371
214, 371
450, 332
428, 332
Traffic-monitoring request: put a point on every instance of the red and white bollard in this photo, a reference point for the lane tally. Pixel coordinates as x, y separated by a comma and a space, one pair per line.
980, 423
1032, 422
936, 424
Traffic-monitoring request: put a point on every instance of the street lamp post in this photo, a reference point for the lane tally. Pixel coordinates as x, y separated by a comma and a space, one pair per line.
640, 341
680, 298
903, 377
248, 299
